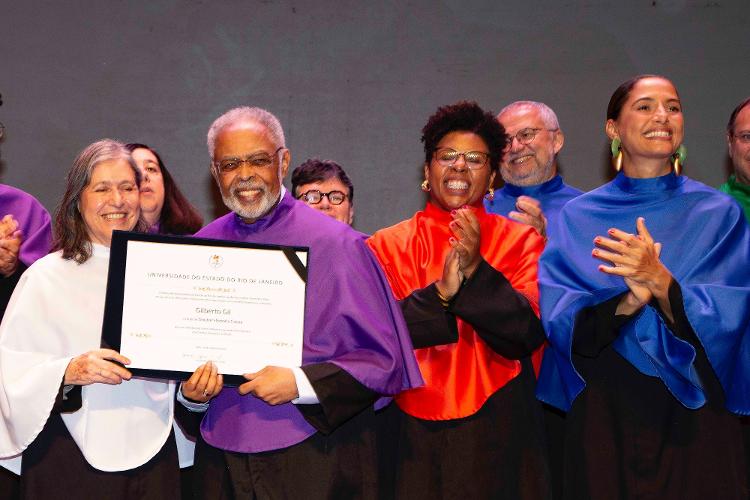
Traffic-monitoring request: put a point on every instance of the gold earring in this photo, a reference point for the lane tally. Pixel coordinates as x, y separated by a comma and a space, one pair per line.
425, 185
678, 158
490, 194
618, 161
616, 154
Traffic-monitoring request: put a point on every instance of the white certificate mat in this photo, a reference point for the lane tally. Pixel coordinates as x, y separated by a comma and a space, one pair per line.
186, 301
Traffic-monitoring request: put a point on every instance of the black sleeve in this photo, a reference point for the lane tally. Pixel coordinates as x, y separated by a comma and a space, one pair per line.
598, 326
189, 421
8, 284
340, 397
680, 326
67, 403
428, 321
501, 316
682, 329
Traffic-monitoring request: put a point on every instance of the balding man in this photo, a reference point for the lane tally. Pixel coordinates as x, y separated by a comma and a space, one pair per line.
301, 432
534, 193
738, 142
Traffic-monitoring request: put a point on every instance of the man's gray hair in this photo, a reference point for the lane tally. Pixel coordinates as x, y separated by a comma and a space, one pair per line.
549, 116
241, 115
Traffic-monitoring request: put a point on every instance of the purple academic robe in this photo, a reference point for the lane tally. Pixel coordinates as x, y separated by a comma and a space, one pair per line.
32, 219
351, 321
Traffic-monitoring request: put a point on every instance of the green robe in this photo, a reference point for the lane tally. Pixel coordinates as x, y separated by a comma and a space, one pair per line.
740, 192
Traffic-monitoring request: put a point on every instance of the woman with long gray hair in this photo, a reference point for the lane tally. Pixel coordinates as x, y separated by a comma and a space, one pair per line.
85, 427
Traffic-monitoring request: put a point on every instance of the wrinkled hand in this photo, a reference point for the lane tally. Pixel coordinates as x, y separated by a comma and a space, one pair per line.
449, 284
205, 383
529, 211
96, 367
272, 384
8, 225
466, 240
10, 246
636, 259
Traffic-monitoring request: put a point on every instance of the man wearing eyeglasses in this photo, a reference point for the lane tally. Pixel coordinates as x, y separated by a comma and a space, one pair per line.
533, 192
738, 187
738, 141
324, 186
298, 432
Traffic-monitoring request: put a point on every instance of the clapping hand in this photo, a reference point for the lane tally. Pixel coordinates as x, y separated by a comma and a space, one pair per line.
10, 245
466, 239
636, 259
529, 211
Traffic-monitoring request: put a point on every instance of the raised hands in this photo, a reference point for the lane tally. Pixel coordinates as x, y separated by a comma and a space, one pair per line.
10, 245
452, 278
529, 211
97, 367
636, 259
466, 240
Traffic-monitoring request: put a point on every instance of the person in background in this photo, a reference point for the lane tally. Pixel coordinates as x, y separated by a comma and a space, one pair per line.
738, 143
534, 191
300, 432
466, 280
85, 427
533, 194
165, 209
25, 236
324, 185
645, 296
738, 187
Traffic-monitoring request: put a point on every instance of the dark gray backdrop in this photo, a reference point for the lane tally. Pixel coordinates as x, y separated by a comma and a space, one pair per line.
350, 81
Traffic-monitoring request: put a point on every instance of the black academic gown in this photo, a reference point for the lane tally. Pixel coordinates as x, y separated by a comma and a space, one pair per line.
54, 467
10, 485
627, 437
499, 452
340, 461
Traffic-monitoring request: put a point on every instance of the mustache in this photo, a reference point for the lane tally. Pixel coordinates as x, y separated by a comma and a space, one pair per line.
516, 156
248, 184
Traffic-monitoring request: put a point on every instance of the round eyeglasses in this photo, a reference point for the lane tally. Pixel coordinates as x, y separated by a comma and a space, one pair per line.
447, 157
526, 135
314, 196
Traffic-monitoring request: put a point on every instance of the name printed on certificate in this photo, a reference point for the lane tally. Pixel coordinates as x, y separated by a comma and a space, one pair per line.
185, 304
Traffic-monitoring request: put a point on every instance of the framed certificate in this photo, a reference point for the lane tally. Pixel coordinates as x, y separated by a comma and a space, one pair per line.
174, 303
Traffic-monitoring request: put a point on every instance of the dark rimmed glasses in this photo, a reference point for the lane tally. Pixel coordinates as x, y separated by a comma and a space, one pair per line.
314, 196
257, 160
447, 157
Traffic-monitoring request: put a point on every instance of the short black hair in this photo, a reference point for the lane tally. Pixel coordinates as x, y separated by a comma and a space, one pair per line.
465, 116
316, 170
733, 116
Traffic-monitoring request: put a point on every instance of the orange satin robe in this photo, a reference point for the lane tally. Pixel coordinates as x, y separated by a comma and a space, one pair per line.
461, 376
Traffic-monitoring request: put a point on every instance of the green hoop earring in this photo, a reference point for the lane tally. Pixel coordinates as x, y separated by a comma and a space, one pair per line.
678, 159
681, 153
615, 147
